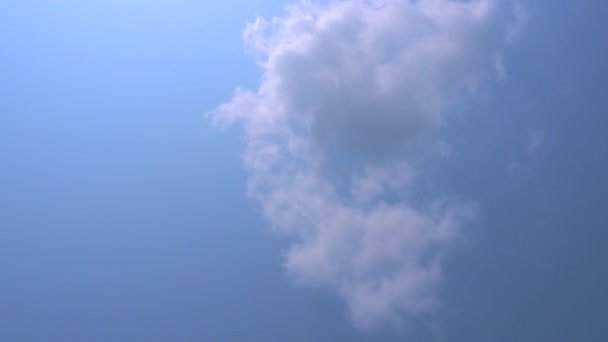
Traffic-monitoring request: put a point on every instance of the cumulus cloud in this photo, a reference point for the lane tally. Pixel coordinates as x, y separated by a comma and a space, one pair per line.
349, 105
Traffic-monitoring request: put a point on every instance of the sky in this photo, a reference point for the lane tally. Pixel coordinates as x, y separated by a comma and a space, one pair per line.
347, 171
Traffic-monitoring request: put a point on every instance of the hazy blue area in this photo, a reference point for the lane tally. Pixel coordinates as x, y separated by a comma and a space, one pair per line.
123, 214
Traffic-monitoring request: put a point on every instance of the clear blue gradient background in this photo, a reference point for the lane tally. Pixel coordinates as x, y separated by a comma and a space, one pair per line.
123, 214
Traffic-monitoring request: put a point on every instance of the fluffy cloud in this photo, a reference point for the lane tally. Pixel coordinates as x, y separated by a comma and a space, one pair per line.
349, 104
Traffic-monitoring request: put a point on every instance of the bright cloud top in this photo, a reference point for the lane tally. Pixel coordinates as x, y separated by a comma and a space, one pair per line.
350, 99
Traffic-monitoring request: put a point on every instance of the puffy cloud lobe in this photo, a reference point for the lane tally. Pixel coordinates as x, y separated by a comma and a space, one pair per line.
351, 95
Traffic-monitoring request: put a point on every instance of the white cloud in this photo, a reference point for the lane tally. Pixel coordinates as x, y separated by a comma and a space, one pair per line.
520, 22
501, 70
351, 97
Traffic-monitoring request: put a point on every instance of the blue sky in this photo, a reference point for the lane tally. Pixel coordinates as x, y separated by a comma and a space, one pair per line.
125, 214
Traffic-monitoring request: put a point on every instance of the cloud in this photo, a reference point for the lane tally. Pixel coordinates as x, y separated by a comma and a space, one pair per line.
501, 70
349, 105
537, 138
520, 22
